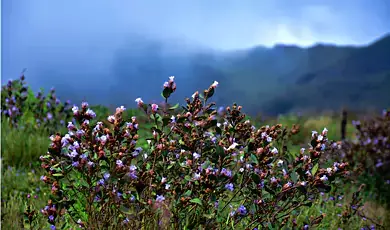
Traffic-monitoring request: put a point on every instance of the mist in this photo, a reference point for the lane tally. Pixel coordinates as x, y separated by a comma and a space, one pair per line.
111, 52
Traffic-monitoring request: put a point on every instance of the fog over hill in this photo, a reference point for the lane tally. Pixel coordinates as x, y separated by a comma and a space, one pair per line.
271, 57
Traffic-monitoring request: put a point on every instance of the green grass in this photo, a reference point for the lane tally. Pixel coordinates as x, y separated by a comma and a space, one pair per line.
22, 147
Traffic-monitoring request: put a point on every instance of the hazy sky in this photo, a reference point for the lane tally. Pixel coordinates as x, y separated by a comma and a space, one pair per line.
87, 32
224, 24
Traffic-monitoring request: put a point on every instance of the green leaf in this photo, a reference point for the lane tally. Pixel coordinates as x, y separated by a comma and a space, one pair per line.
209, 216
167, 92
254, 159
196, 201
314, 169
188, 193
256, 178
58, 174
174, 107
166, 121
294, 177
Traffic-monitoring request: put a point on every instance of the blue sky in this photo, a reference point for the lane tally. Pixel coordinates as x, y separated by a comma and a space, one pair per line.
86, 33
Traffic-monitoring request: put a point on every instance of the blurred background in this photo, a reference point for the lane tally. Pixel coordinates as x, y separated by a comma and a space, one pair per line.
271, 56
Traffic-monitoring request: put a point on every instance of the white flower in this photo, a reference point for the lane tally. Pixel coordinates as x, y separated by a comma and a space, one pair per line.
111, 119
324, 178
274, 151
195, 155
325, 131
280, 163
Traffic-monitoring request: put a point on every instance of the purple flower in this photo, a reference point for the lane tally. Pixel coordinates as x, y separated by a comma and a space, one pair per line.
226, 172
91, 113
84, 104
195, 155
160, 198
53, 227
106, 176
119, 163
75, 164
51, 218
101, 182
229, 187
242, 210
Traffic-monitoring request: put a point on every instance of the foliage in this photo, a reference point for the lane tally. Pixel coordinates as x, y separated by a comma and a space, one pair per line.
200, 170
369, 154
20, 108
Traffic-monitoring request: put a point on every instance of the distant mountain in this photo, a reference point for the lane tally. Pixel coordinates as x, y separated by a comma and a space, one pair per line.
359, 80
281, 79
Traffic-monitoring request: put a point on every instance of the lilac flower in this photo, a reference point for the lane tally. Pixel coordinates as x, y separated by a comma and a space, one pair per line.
84, 104
154, 107
75, 164
119, 163
53, 227
73, 154
106, 176
139, 101
51, 218
226, 172
80, 133
196, 176
274, 151
75, 109
324, 178
91, 113
196, 155
229, 187
160, 198
100, 182
242, 210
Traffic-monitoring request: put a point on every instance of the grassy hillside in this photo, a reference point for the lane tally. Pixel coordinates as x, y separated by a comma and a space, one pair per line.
288, 78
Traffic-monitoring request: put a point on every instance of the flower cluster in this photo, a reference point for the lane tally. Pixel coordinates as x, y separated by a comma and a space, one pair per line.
369, 152
20, 106
201, 168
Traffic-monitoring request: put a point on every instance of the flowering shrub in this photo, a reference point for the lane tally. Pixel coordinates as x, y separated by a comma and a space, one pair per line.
20, 106
200, 168
369, 153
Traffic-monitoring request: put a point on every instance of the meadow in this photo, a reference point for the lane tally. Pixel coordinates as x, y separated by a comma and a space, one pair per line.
188, 166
